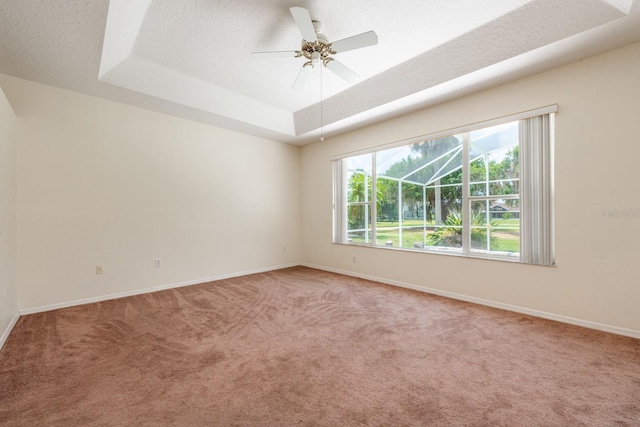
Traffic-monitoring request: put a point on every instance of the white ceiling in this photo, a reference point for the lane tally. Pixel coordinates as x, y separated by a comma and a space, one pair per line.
193, 59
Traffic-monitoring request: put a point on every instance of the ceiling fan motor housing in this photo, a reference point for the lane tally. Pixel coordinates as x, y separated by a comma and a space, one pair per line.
319, 50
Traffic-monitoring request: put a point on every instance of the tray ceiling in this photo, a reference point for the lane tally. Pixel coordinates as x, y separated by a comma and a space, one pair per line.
193, 59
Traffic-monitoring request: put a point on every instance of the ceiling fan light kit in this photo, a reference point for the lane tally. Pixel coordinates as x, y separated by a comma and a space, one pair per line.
315, 48
316, 51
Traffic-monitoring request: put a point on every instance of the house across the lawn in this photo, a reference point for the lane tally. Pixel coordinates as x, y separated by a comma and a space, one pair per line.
503, 211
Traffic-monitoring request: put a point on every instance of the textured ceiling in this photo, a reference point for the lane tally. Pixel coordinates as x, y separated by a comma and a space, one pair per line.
193, 58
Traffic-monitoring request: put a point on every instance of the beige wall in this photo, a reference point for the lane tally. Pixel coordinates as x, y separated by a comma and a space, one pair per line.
102, 183
8, 221
597, 155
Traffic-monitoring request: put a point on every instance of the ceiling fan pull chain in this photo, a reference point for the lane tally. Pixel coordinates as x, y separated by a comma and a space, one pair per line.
321, 129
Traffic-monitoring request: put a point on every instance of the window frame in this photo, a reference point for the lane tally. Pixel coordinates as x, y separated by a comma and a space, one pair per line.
340, 231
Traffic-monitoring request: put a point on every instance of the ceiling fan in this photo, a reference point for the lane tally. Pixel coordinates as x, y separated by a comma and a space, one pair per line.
316, 49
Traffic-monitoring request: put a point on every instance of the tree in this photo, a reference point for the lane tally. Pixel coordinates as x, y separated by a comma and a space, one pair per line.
508, 169
420, 167
388, 208
412, 198
444, 195
356, 194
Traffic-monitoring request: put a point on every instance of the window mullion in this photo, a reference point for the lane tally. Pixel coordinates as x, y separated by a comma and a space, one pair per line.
424, 216
342, 202
400, 213
374, 199
495, 196
466, 203
367, 199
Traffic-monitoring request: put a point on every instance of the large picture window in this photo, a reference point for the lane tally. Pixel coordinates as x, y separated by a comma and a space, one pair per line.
484, 191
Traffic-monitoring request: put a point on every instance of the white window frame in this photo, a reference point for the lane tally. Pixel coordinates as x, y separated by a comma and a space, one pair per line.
539, 231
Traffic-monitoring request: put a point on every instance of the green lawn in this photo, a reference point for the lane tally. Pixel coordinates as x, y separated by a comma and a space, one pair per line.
507, 232
405, 223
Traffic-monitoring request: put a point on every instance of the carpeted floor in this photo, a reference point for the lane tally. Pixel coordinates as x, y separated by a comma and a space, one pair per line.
302, 347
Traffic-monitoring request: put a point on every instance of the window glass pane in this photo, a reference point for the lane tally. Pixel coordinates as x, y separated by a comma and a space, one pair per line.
358, 224
412, 215
413, 233
493, 139
478, 176
412, 202
448, 169
448, 234
443, 200
423, 162
387, 200
494, 168
358, 187
495, 226
388, 234
444, 216
504, 187
481, 233
395, 162
387, 224
495, 188
359, 163
358, 177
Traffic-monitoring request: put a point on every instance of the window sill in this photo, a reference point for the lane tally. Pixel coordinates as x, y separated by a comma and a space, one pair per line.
440, 251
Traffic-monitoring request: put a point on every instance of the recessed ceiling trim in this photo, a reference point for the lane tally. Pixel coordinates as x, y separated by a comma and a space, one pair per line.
124, 20
150, 78
623, 5
121, 68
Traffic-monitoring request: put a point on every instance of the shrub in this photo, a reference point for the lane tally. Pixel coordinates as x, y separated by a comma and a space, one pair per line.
450, 234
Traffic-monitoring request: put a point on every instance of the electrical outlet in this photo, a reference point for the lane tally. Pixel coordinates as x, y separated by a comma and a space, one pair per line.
98, 269
158, 262
353, 259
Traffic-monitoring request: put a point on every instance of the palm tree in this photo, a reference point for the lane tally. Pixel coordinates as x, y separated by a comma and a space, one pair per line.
357, 188
357, 193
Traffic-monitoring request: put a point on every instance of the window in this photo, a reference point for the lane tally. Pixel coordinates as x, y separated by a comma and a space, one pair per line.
482, 191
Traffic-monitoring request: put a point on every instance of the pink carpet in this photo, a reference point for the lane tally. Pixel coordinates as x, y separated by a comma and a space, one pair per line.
302, 347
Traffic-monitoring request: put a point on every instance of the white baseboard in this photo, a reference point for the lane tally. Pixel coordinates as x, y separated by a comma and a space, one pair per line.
537, 313
40, 309
517, 309
8, 330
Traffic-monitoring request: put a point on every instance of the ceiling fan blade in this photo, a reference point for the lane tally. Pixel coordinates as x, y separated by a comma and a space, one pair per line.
355, 42
343, 71
303, 78
303, 21
275, 54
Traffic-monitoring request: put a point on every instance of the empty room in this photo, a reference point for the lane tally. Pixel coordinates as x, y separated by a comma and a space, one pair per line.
244, 213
